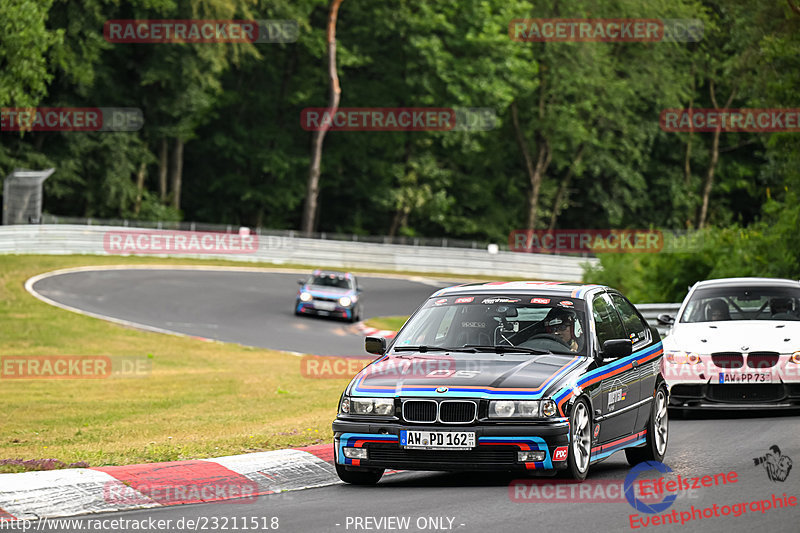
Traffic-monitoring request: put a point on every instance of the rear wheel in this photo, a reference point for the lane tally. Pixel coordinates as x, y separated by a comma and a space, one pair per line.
655, 447
580, 450
359, 477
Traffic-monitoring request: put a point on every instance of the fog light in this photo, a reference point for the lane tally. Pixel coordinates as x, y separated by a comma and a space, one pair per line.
527, 457
355, 453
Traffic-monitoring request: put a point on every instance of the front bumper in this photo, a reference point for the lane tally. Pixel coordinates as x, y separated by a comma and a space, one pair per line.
496, 450
735, 395
307, 308
711, 385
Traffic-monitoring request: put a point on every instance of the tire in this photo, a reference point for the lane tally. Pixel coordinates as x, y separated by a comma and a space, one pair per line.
655, 447
359, 477
580, 449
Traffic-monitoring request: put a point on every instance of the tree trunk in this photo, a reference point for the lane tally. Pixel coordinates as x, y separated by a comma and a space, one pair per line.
162, 171
795, 8
312, 189
536, 172
712, 165
140, 187
687, 161
177, 173
562, 189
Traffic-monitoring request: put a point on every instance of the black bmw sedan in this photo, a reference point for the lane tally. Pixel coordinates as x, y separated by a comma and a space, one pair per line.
531, 376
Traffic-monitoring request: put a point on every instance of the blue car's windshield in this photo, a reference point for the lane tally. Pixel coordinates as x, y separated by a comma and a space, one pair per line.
330, 280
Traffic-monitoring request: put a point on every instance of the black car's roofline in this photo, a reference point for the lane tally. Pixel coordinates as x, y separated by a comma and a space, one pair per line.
522, 287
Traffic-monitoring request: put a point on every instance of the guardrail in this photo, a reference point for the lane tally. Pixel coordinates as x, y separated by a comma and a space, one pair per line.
279, 249
651, 311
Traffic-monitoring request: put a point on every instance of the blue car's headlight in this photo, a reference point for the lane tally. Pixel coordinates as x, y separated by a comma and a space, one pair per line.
345, 301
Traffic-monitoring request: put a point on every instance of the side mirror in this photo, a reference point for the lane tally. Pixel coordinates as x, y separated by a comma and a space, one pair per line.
375, 345
665, 319
616, 348
301, 282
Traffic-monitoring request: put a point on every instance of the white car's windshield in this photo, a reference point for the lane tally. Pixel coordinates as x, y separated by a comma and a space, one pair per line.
743, 303
550, 324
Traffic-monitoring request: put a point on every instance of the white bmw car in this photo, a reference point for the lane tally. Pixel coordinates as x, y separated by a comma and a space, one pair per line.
735, 343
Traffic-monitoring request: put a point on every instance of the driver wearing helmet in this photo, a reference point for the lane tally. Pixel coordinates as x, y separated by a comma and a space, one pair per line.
560, 322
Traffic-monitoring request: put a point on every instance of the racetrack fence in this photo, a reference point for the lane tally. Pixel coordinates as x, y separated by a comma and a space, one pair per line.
651, 311
286, 248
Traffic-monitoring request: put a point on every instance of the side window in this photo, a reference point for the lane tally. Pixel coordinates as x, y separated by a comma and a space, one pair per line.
606, 320
636, 329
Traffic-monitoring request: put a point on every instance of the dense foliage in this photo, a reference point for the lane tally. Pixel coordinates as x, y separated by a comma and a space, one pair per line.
222, 140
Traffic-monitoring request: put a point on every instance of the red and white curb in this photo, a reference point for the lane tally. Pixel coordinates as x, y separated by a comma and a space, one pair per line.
367, 331
233, 479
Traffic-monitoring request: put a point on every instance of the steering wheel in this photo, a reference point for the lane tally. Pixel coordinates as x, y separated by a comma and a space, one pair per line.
548, 339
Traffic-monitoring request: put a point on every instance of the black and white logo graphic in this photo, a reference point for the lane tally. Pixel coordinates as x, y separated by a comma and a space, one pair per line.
777, 466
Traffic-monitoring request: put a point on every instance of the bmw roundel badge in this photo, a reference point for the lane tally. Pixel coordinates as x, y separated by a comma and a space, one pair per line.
442, 389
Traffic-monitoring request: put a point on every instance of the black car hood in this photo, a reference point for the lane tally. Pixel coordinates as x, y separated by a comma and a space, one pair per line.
465, 374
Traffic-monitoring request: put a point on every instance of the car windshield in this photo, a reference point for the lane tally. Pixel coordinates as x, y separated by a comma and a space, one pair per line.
533, 323
330, 280
743, 303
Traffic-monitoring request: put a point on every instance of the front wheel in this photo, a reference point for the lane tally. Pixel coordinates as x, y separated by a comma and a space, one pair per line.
359, 477
655, 447
580, 451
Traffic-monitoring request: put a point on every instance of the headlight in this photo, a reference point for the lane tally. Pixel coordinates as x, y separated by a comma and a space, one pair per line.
795, 358
682, 358
345, 301
345, 406
372, 406
305, 296
515, 409
549, 408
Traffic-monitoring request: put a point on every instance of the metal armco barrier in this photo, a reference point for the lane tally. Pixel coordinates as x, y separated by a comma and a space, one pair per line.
58, 239
651, 311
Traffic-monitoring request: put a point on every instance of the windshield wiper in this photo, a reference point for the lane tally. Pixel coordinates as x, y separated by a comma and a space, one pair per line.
503, 348
424, 348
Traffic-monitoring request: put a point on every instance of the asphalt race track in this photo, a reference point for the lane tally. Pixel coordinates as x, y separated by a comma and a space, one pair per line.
256, 309
250, 308
482, 503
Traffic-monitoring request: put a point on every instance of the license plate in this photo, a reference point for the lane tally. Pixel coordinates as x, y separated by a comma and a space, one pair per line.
745, 377
437, 440
325, 306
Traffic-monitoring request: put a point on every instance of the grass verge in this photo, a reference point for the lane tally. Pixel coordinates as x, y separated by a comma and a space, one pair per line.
392, 323
201, 399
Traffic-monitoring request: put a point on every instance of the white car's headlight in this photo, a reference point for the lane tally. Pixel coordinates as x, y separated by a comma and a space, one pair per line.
371, 406
680, 357
795, 358
514, 409
305, 296
345, 301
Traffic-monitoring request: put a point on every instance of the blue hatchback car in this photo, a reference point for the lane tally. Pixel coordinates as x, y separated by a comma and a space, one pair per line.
329, 293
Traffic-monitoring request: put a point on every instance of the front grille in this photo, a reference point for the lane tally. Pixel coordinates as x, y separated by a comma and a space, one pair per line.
728, 359
477, 456
420, 411
746, 393
457, 412
762, 359
692, 391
